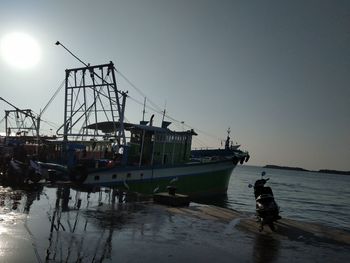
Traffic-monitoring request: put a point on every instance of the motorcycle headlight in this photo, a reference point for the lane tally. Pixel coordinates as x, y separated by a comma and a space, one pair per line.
259, 206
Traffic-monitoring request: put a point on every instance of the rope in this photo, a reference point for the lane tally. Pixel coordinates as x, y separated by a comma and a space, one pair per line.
138, 90
158, 109
53, 97
2, 119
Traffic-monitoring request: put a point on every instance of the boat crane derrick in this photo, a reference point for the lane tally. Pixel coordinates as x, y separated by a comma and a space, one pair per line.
92, 96
25, 120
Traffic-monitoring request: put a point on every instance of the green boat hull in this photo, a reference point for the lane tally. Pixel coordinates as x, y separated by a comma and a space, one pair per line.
192, 185
196, 181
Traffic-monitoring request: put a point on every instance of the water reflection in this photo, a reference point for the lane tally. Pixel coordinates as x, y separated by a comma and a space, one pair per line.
65, 224
266, 249
18, 199
73, 227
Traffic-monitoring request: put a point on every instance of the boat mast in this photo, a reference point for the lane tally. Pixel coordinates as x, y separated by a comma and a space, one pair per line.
164, 112
144, 110
21, 116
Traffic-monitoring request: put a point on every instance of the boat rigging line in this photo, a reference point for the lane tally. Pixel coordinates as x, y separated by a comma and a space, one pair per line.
52, 98
58, 43
155, 108
158, 109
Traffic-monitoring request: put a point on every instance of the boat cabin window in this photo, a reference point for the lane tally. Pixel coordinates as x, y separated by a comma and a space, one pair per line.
151, 146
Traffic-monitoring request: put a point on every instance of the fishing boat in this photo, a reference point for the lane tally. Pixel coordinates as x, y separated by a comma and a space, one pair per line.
95, 146
138, 157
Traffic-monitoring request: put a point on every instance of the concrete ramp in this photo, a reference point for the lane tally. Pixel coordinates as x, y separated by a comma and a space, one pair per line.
285, 228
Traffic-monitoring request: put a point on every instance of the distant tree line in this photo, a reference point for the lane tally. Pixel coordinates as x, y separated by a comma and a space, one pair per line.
326, 171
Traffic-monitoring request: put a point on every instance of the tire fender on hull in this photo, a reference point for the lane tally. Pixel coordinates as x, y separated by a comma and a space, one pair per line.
235, 160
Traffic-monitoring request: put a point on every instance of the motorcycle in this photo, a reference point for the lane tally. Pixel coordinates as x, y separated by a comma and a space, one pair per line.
267, 210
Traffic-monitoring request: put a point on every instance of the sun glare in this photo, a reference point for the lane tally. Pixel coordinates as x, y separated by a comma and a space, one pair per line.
20, 50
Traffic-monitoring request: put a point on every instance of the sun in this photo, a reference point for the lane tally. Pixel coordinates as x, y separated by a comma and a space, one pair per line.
20, 50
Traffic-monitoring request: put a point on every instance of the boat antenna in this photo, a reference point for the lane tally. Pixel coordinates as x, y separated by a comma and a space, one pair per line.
164, 112
144, 110
58, 43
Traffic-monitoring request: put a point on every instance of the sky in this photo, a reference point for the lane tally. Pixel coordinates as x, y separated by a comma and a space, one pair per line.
275, 72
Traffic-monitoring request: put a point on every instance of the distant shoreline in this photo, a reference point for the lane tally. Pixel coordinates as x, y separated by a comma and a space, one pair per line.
270, 166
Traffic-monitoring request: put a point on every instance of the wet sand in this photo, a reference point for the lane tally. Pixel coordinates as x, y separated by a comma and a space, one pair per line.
59, 224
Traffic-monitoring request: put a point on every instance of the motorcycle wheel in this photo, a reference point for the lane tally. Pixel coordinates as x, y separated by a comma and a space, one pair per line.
261, 227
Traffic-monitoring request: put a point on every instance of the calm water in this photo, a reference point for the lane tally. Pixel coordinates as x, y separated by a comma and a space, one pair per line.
307, 196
